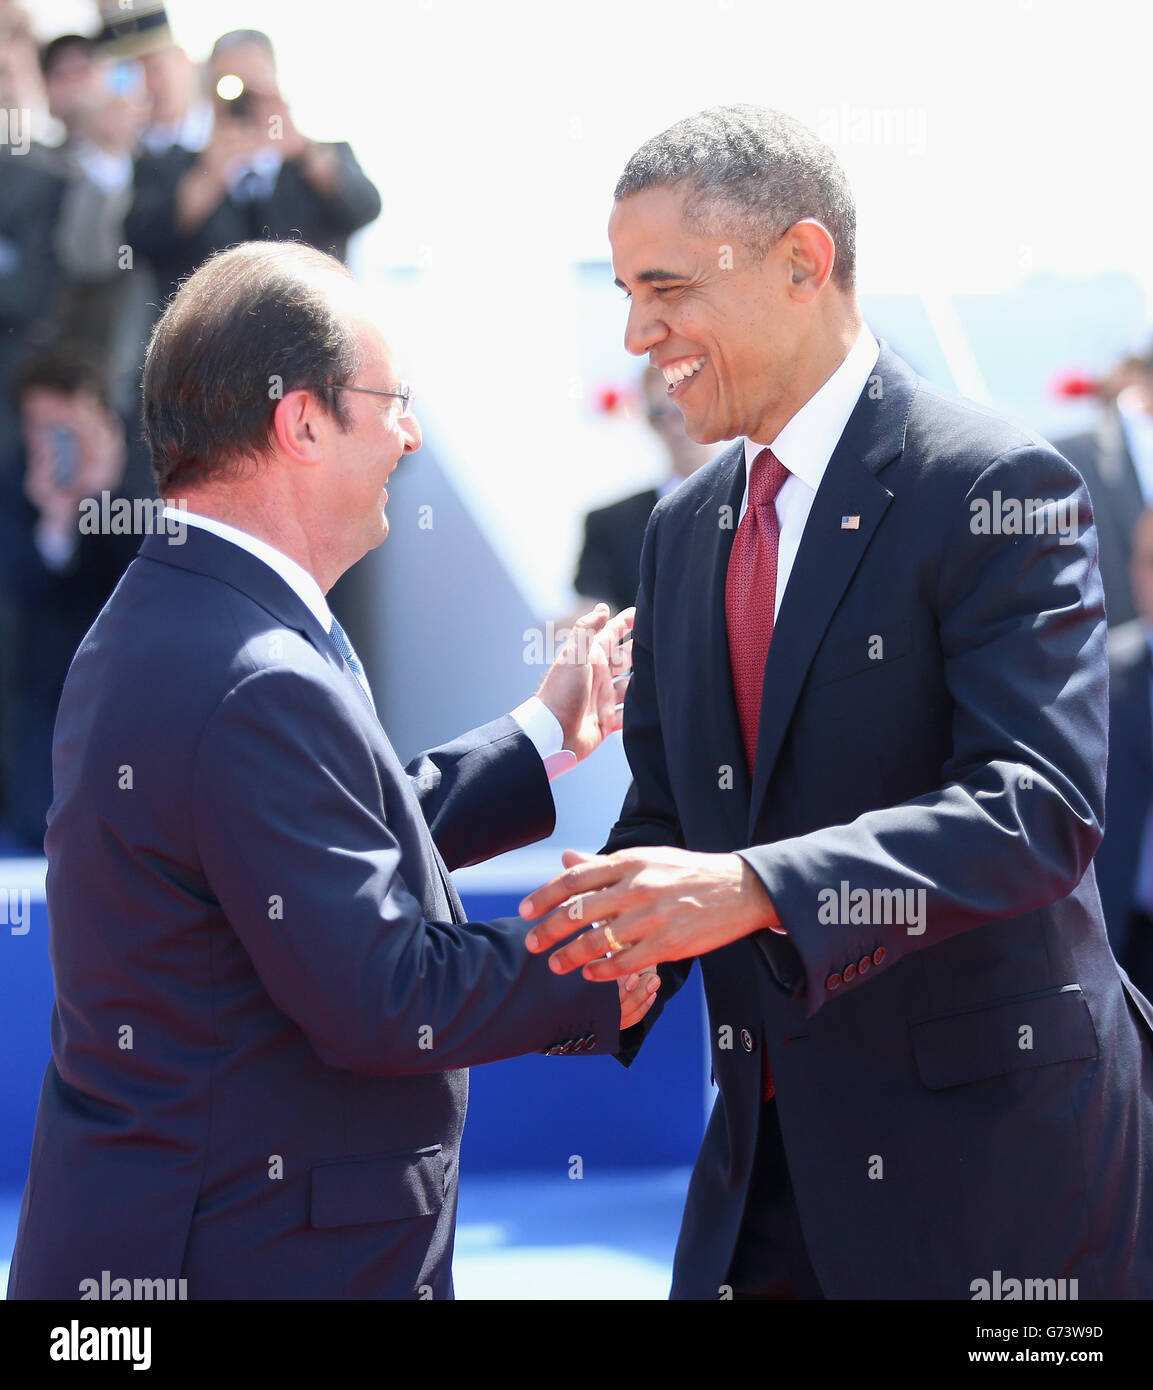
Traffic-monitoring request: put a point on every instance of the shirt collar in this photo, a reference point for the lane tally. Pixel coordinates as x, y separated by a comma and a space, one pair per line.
806, 443
298, 579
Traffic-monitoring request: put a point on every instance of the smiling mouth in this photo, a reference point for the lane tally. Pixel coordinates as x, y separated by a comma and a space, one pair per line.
676, 374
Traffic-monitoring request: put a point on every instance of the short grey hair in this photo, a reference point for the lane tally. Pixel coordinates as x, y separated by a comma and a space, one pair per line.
759, 164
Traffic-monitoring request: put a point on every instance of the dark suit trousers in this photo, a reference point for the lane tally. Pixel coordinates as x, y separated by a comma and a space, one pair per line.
771, 1260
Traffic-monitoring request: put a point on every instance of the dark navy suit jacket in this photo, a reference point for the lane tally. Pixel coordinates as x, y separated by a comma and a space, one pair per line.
610, 558
976, 1095
266, 989
1128, 794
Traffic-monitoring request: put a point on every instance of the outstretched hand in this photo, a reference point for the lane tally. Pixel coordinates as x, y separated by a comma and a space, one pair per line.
585, 686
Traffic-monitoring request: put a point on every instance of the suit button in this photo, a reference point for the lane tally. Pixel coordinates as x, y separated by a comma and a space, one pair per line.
879, 955
590, 1042
849, 973
833, 982
864, 965
746, 1040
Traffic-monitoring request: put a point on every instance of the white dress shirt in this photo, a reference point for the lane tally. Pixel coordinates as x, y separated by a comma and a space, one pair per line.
806, 445
536, 719
1138, 430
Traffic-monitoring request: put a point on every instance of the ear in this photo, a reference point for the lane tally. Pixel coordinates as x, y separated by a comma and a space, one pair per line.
296, 426
812, 255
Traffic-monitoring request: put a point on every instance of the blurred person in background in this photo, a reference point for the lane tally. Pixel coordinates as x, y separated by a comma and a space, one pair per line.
29, 197
101, 304
179, 115
19, 68
30, 193
1116, 461
70, 446
1124, 862
258, 178
609, 565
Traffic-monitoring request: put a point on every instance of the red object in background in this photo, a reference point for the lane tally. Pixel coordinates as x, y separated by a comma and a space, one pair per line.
609, 400
1072, 384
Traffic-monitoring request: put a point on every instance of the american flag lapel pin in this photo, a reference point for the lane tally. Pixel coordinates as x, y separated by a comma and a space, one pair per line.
851, 523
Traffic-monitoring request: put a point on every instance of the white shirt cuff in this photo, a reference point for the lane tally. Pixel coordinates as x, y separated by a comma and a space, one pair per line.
543, 729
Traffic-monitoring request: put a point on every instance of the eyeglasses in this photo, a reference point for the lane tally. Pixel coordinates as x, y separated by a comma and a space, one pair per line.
404, 395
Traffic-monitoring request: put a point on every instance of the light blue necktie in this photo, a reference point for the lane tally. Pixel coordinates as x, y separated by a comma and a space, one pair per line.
339, 639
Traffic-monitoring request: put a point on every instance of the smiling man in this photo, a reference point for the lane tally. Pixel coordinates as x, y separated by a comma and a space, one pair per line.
867, 738
267, 991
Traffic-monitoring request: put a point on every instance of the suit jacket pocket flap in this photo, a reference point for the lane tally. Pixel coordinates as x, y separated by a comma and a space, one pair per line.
839, 657
994, 1039
389, 1187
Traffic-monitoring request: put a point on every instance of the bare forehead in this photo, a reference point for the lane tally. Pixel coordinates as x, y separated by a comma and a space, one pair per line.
649, 232
348, 303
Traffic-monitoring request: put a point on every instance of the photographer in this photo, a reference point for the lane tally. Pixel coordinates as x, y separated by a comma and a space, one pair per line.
258, 178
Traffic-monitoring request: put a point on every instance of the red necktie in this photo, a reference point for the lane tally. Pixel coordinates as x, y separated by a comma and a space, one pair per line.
750, 596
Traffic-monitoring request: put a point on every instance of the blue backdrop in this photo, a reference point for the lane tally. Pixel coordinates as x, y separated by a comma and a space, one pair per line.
529, 1113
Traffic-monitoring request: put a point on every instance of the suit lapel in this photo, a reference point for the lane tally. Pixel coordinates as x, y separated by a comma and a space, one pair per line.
828, 556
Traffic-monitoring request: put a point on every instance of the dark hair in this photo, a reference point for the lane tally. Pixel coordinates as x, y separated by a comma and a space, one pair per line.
63, 370
250, 325
763, 166
241, 38
54, 50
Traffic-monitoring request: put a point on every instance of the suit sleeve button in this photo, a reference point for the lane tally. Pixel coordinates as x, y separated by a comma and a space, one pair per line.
864, 965
833, 982
849, 973
879, 955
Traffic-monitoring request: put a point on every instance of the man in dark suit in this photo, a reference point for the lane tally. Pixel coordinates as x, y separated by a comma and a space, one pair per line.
1124, 863
30, 194
258, 177
267, 992
610, 559
867, 736
1116, 461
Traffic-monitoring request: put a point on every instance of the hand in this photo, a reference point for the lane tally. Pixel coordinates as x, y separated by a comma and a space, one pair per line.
232, 141
205, 186
654, 904
585, 686
284, 137
638, 995
100, 459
